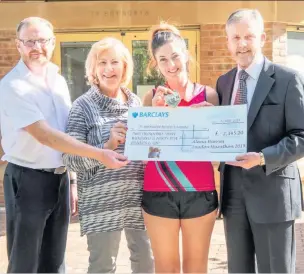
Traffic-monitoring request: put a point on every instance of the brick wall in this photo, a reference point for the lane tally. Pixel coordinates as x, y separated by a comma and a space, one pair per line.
9, 56
215, 59
214, 56
279, 43
8, 52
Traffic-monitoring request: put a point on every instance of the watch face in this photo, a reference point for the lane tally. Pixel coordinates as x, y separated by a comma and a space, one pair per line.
262, 159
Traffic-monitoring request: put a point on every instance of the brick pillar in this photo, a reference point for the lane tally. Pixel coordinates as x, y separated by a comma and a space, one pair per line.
215, 59
9, 55
278, 33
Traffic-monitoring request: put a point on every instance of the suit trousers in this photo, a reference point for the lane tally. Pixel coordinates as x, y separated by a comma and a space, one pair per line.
254, 247
37, 215
103, 248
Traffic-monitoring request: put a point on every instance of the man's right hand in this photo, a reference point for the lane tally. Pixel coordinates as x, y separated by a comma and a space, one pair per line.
112, 159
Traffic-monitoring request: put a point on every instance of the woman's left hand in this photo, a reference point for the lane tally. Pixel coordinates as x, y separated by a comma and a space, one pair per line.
117, 136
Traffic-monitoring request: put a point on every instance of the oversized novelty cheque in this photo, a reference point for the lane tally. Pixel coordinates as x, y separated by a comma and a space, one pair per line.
216, 133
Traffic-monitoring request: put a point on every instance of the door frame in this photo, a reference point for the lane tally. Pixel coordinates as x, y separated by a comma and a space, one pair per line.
78, 37
193, 34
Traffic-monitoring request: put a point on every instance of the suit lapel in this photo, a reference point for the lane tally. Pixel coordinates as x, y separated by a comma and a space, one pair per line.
227, 93
264, 84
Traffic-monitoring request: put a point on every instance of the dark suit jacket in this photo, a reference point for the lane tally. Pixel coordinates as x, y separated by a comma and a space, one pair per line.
275, 127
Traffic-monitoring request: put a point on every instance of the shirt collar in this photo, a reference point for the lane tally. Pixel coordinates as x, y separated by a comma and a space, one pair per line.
255, 67
24, 70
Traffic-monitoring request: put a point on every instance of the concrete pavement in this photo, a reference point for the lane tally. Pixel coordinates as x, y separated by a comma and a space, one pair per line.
77, 255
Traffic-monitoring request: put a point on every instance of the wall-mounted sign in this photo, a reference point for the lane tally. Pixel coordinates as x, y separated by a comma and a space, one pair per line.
120, 13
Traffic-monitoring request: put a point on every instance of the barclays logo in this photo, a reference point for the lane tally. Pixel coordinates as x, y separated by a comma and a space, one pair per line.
150, 114
135, 114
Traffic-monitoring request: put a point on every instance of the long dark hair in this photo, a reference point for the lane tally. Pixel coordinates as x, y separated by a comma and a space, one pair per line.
160, 35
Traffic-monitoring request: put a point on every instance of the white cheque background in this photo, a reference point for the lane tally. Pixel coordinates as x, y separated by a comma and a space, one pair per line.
186, 134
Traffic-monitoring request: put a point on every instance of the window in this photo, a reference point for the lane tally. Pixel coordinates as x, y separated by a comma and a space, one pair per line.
295, 50
295, 43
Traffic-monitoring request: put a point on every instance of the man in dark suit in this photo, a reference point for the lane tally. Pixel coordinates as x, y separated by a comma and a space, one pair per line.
261, 190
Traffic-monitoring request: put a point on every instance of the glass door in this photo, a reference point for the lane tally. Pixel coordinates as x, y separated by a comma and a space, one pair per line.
137, 42
295, 49
70, 54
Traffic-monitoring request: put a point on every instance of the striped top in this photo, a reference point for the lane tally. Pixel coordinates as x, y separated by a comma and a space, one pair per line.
181, 176
108, 199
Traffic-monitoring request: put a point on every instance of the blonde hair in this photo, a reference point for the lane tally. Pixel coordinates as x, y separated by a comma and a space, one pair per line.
160, 35
97, 49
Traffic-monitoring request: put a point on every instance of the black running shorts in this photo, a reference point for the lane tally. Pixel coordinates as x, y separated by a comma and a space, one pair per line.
180, 205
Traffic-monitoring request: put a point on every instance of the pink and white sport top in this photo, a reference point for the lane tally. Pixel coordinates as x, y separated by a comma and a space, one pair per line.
181, 176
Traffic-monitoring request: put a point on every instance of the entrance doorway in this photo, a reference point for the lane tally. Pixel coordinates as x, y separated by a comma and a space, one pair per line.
72, 49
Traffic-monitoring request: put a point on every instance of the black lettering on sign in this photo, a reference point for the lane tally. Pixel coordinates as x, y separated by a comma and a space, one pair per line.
118, 13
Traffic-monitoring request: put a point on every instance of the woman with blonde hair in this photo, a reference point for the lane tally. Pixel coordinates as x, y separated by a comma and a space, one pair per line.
178, 195
109, 200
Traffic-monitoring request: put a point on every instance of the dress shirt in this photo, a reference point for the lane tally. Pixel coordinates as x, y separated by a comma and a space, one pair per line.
26, 99
253, 71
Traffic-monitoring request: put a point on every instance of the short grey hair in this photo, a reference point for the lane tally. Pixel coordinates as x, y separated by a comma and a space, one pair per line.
246, 14
32, 21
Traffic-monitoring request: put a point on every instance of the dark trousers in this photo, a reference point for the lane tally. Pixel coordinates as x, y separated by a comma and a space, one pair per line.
269, 247
37, 217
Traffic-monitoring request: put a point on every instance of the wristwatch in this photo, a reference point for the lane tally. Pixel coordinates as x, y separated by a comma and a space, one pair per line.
262, 159
73, 181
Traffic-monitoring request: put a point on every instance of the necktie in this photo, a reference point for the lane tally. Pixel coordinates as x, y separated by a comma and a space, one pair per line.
241, 94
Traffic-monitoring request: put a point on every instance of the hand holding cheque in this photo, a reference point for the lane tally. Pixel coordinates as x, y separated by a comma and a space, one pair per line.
117, 136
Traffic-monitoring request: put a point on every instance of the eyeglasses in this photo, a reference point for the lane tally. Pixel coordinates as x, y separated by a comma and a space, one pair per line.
32, 43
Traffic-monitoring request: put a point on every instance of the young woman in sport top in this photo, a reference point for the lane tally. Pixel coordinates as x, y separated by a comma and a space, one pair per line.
178, 195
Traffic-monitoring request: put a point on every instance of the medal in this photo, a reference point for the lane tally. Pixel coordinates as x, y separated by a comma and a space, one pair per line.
173, 99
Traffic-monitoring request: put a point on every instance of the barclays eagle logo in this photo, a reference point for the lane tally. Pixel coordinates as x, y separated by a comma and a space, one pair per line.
135, 114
